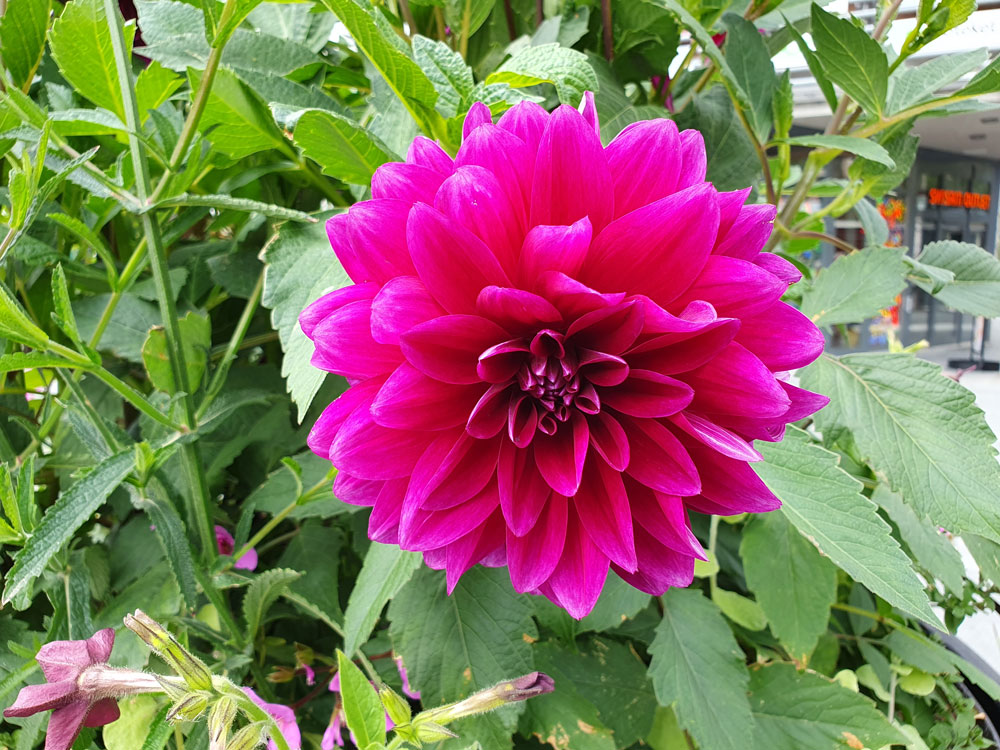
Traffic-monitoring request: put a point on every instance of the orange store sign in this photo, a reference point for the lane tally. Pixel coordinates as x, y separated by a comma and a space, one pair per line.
938, 197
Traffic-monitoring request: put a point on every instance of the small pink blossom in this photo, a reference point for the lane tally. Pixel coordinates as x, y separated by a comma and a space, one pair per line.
227, 545
284, 716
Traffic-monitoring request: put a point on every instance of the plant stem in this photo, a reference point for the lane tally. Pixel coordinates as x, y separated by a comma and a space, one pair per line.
256, 713
608, 31
266, 529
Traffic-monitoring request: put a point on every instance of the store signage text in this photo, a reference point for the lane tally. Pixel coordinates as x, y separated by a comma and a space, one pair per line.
937, 197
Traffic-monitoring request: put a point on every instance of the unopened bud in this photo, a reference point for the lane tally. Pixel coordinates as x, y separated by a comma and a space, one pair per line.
429, 731
397, 708
249, 737
192, 669
220, 720
190, 707
510, 691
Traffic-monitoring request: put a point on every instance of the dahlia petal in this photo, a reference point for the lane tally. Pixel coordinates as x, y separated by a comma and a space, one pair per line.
322, 435
577, 581
660, 567
463, 472
611, 329
603, 508
572, 298
601, 368
355, 490
674, 353
730, 205
383, 523
410, 400
65, 724
340, 241
326, 305
571, 178
452, 262
103, 712
736, 382
676, 232
645, 162
781, 337
33, 699
479, 543
533, 556
427, 153
734, 287
399, 305
692, 318
474, 198
803, 403
522, 420
420, 529
783, 269
365, 449
694, 161
377, 229
523, 491
663, 516
344, 344
478, 114
658, 459
499, 363
588, 108
448, 348
749, 232
516, 310
729, 483
553, 248
645, 393
715, 436
507, 157
406, 182
560, 457
526, 120
489, 415
609, 440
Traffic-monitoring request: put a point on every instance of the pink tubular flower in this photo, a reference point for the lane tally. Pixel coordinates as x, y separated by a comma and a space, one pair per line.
556, 350
227, 545
285, 717
81, 689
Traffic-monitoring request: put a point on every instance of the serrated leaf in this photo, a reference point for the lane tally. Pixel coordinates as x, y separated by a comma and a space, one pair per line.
455, 645
732, 161
240, 122
63, 313
851, 59
300, 268
873, 224
859, 146
342, 148
743, 611
751, 65
262, 593
169, 530
855, 287
129, 326
363, 711
698, 668
825, 503
825, 87
878, 179
451, 77
16, 325
73, 508
986, 81
975, 288
32, 360
385, 571
914, 85
566, 69
232, 203
22, 37
794, 584
617, 603
921, 430
796, 710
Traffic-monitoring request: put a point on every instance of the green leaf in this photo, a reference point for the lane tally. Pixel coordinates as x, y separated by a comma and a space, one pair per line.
129, 326
169, 530
923, 431
914, 85
743, 611
262, 593
153, 86
855, 286
16, 325
363, 710
130, 730
783, 103
240, 123
825, 503
160, 730
455, 645
32, 360
196, 339
237, 204
851, 59
241, 9
873, 224
63, 313
451, 77
814, 66
732, 161
386, 570
73, 508
877, 179
81, 34
986, 554
699, 669
921, 651
805, 710
466, 16
860, 146
343, 148
975, 288
313, 552
752, 67
566, 69
986, 80
794, 584
22, 37
300, 268
618, 602
930, 547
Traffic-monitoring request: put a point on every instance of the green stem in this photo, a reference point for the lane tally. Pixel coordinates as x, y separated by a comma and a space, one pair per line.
88, 407
253, 711
266, 529
221, 606
7, 242
713, 537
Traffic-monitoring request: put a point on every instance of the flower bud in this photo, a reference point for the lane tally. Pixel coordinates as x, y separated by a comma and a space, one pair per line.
429, 731
192, 669
190, 707
397, 708
249, 737
511, 691
220, 720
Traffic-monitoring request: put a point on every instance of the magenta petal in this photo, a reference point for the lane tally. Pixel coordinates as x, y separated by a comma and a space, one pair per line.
526, 120
579, 577
65, 724
410, 400
522, 420
478, 114
600, 368
648, 394
803, 403
560, 457
657, 458
660, 567
610, 329
665, 517
378, 234
426, 153
608, 438
326, 305
571, 179
448, 348
732, 484
344, 344
507, 157
356, 491
730, 206
782, 338
103, 712
694, 162
603, 507
588, 108
715, 436
645, 162
463, 553
737, 383
340, 241
489, 415
516, 310
365, 449
691, 319
736, 288
783, 269
749, 233
673, 353
406, 182
533, 556
246, 561
452, 262
420, 529
383, 523
500, 363
33, 699
463, 472
323, 433
677, 234
400, 305
572, 298
553, 248
522, 489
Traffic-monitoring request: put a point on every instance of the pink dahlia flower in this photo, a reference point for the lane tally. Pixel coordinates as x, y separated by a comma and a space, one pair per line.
556, 350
